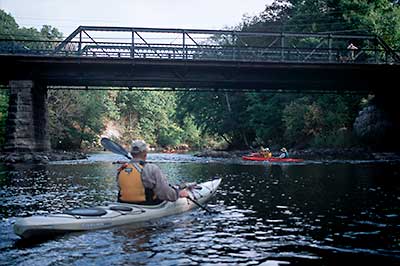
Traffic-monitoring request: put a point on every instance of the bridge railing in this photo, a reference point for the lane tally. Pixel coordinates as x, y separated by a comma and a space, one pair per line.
178, 44
193, 52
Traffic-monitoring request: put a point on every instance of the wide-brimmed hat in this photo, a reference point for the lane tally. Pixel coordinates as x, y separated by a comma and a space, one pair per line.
139, 146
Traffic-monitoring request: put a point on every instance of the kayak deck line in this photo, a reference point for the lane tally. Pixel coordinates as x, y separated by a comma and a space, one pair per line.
134, 209
110, 214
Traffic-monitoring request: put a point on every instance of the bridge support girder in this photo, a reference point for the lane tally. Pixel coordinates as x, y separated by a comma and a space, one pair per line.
27, 125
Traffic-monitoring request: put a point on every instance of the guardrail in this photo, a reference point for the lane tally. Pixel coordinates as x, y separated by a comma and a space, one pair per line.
180, 44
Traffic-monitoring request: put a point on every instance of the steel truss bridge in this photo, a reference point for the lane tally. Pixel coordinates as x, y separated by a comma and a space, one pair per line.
131, 57
183, 59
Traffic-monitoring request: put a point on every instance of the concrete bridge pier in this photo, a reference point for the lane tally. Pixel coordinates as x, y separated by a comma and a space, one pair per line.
27, 125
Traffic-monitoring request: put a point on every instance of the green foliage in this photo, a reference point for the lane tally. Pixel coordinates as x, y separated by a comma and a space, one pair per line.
147, 114
271, 119
222, 114
302, 119
8, 26
205, 108
170, 135
320, 119
76, 118
9, 29
265, 116
191, 134
380, 17
50, 33
23, 37
112, 109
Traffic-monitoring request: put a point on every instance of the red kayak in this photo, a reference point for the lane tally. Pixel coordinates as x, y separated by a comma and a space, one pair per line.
272, 159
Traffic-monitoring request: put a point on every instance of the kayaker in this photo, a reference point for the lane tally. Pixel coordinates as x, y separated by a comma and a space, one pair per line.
140, 182
265, 152
284, 153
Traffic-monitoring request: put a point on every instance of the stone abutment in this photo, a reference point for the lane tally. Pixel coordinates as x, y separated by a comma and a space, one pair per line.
27, 125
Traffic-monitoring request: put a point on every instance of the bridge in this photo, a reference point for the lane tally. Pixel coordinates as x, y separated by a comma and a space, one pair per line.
184, 59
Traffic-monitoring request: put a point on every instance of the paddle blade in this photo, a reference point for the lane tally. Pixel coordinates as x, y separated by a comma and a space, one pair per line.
114, 147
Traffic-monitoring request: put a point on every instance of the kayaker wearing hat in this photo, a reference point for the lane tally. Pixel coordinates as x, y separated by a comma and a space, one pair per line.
284, 153
140, 182
265, 152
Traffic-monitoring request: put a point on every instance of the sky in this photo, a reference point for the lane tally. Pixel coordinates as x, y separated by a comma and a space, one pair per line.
67, 15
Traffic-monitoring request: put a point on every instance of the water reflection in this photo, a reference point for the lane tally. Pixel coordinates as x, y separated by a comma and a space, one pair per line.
269, 214
40, 189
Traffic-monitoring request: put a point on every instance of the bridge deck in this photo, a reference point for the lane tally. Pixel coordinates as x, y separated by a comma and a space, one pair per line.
183, 58
120, 72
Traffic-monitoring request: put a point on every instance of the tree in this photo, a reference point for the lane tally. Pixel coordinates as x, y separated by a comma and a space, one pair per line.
320, 119
8, 26
76, 118
218, 113
191, 134
380, 17
149, 115
265, 116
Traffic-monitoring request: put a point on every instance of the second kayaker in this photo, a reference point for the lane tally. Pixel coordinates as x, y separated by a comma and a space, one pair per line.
284, 153
140, 182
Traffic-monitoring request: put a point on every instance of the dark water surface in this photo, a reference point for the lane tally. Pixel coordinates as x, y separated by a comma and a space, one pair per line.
314, 213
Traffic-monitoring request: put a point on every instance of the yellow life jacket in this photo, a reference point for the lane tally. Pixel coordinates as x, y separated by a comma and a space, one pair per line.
131, 188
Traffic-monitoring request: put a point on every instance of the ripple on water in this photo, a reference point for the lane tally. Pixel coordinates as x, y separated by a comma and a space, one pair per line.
308, 214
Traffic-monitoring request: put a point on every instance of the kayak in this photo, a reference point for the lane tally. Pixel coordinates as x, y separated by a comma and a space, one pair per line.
113, 214
272, 159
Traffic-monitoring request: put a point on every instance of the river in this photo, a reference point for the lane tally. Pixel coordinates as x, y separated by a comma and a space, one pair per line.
311, 213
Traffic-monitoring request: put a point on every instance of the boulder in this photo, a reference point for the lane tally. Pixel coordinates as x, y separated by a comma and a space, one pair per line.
376, 127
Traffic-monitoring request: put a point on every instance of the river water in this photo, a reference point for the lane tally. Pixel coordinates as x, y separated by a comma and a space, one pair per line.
311, 213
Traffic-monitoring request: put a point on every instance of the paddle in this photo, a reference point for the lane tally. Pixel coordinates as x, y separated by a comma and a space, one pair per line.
191, 186
201, 206
114, 147
118, 149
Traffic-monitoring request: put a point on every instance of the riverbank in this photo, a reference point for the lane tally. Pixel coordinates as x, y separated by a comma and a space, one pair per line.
306, 154
313, 154
40, 157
